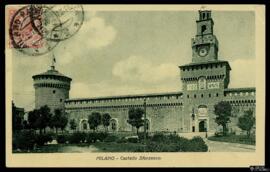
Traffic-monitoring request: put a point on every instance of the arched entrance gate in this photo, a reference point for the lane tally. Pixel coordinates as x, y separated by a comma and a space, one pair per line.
200, 121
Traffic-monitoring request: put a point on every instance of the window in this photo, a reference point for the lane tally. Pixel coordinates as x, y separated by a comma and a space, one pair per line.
187, 96
202, 83
217, 94
53, 91
209, 95
61, 100
203, 29
194, 95
113, 124
193, 116
201, 95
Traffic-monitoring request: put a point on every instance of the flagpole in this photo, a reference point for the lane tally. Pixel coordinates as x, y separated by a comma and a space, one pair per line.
53, 62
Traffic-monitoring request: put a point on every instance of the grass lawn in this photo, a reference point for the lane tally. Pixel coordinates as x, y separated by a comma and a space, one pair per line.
242, 139
53, 148
117, 147
101, 146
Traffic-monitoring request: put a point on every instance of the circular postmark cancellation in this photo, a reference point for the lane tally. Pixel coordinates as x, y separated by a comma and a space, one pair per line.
24, 37
57, 22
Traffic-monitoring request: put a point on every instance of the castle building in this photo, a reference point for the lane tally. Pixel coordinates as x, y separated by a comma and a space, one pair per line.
51, 89
205, 83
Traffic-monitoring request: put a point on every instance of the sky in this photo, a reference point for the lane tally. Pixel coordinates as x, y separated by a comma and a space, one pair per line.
135, 52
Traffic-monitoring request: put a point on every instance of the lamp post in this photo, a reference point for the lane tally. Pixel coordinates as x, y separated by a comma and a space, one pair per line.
144, 105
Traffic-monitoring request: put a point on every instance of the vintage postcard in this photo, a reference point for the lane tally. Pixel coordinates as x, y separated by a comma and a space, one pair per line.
135, 85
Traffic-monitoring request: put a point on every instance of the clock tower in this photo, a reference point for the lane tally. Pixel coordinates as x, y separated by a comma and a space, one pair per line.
204, 79
205, 43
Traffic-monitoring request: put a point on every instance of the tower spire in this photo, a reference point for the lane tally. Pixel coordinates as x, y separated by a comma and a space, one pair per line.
53, 62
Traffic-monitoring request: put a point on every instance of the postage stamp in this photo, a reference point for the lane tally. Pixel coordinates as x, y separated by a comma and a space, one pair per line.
37, 29
135, 86
24, 37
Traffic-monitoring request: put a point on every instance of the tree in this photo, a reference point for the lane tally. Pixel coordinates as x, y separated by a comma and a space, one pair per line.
106, 120
59, 120
135, 118
246, 121
94, 120
45, 117
25, 124
16, 119
223, 113
72, 124
40, 118
64, 121
33, 119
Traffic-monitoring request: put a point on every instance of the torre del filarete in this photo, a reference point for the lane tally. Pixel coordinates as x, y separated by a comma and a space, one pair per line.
205, 82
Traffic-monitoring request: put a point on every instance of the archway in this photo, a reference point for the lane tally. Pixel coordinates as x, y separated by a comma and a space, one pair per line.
113, 125
84, 125
202, 126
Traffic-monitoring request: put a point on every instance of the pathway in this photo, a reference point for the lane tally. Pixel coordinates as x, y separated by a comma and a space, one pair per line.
215, 146
78, 149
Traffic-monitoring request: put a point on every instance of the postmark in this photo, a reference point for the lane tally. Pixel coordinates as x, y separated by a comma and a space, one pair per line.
24, 37
57, 23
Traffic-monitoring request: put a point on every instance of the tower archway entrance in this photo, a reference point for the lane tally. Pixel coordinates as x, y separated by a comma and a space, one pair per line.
202, 126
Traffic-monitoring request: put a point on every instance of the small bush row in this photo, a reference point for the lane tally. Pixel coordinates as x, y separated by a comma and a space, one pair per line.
79, 137
161, 142
27, 139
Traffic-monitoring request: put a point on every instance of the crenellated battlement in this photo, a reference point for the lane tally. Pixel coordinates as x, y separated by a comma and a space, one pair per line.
127, 101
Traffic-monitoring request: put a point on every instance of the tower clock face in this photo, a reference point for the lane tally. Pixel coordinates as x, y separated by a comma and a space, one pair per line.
203, 51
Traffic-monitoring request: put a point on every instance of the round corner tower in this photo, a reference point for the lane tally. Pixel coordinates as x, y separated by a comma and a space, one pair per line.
51, 89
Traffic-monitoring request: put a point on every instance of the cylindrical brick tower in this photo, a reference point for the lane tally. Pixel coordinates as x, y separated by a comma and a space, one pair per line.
51, 89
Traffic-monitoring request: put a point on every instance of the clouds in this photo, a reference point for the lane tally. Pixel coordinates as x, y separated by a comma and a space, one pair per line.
99, 34
101, 57
135, 75
95, 33
243, 73
103, 89
140, 69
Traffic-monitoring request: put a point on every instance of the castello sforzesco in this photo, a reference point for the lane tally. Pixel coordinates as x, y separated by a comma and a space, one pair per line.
205, 82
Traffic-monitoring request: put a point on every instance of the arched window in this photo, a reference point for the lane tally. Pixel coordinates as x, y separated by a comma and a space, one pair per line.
202, 83
84, 125
113, 123
203, 28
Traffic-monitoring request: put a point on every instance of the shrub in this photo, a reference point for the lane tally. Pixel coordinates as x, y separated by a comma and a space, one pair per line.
25, 140
62, 139
162, 147
101, 136
196, 144
161, 142
91, 137
111, 138
77, 137
166, 138
141, 136
42, 139
122, 140
158, 137
132, 139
